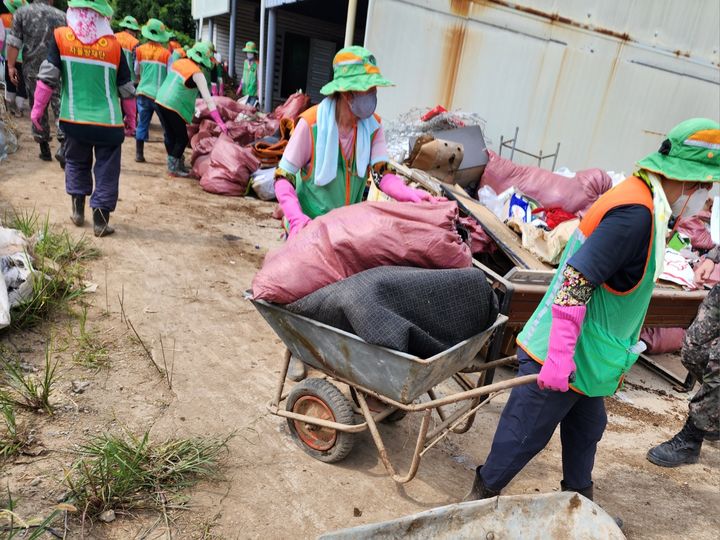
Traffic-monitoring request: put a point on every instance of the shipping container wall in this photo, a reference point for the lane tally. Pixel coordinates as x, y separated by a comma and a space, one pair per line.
606, 79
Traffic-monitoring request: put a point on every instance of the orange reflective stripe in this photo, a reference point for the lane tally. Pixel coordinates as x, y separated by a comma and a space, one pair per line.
709, 136
152, 52
631, 191
185, 68
126, 40
310, 116
106, 49
6, 19
346, 57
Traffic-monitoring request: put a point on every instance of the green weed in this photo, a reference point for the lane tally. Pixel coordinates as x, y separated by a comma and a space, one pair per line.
13, 438
27, 391
13, 526
128, 472
90, 351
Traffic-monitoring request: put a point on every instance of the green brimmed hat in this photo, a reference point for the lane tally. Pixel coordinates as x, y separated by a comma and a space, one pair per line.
13, 5
250, 47
155, 30
200, 54
354, 70
130, 23
101, 6
691, 152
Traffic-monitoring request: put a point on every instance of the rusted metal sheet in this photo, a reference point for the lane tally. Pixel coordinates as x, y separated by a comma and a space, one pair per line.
605, 79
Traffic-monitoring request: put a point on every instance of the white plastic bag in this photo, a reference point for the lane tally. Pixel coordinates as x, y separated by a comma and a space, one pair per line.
263, 183
494, 202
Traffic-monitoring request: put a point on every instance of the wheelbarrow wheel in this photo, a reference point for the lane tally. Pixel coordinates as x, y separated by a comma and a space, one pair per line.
321, 399
392, 418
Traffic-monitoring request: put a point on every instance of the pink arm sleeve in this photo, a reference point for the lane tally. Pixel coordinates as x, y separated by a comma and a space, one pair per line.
298, 151
378, 150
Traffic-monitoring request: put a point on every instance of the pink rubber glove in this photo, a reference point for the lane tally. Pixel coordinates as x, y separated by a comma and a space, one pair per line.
288, 199
129, 108
391, 184
239, 89
564, 331
213, 89
42, 96
215, 115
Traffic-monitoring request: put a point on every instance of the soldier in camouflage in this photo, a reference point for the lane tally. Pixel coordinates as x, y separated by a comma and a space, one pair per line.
701, 357
32, 30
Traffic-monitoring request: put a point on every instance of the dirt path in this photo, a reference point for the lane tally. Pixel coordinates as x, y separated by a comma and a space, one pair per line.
182, 258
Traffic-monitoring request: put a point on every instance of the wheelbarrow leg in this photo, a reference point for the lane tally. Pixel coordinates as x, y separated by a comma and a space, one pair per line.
281, 382
381, 447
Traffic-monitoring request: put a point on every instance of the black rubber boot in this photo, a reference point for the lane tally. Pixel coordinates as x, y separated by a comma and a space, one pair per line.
681, 449
588, 494
45, 153
712, 436
140, 151
101, 222
479, 490
78, 210
60, 154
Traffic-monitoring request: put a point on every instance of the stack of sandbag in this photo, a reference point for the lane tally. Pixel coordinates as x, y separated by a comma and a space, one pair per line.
551, 190
358, 237
229, 169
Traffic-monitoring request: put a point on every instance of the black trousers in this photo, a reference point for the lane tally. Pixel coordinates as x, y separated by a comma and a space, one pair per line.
176, 137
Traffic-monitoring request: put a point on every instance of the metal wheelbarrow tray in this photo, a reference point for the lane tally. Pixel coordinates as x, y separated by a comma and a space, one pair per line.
344, 356
322, 419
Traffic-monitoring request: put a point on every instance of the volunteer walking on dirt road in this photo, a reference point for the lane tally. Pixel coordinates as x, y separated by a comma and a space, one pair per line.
32, 32
175, 102
15, 96
128, 41
586, 329
87, 62
333, 148
701, 357
151, 66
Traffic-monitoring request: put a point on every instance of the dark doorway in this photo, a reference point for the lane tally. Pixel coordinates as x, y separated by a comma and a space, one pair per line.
296, 56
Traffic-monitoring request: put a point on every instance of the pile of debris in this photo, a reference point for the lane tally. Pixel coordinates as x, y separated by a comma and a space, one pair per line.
254, 143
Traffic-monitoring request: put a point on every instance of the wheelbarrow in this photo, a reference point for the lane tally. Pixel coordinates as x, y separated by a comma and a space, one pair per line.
322, 420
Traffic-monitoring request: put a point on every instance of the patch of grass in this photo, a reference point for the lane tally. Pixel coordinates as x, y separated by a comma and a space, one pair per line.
58, 261
13, 437
27, 391
13, 526
90, 351
128, 472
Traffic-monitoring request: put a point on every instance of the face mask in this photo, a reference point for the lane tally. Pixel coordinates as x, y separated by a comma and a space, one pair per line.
251, 56
690, 205
363, 105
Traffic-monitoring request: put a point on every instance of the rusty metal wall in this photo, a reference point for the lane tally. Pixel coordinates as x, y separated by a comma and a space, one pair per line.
605, 78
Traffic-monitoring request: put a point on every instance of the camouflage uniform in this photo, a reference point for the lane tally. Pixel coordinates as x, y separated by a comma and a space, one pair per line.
32, 30
701, 357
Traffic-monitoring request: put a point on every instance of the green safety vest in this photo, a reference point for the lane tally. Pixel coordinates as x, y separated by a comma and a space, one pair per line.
153, 59
612, 324
89, 80
346, 189
249, 79
174, 94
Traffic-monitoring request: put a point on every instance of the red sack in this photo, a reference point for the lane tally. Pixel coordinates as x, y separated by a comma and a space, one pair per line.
358, 237
192, 130
214, 182
663, 340
227, 107
202, 144
480, 242
200, 166
230, 163
696, 229
293, 106
549, 189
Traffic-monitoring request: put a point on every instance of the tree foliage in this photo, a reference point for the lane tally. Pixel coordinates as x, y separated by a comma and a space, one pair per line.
176, 14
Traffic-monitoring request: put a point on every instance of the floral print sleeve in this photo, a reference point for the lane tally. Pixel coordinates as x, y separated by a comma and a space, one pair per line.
576, 290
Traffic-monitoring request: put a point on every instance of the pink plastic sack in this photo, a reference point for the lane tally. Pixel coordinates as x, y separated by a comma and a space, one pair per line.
227, 107
698, 232
229, 163
355, 238
549, 189
200, 166
480, 242
214, 181
293, 106
663, 340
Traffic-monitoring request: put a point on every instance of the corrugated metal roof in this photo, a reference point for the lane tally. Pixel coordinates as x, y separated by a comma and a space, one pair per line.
601, 77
